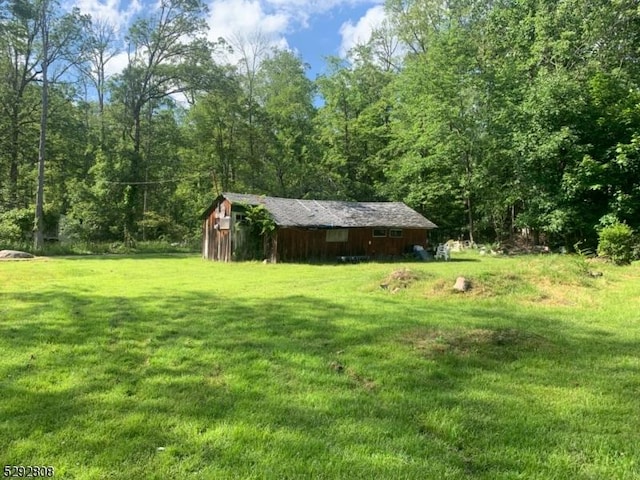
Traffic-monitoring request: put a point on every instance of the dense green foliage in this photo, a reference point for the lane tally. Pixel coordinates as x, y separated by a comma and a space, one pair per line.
172, 367
616, 242
495, 119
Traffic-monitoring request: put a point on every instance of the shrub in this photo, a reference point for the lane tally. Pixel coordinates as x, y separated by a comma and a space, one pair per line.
10, 233
15, 226
616, 242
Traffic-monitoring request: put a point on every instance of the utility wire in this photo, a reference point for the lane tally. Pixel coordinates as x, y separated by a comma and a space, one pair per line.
155, 182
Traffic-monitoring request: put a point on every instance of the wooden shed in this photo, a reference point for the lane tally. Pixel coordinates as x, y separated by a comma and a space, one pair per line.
311, 230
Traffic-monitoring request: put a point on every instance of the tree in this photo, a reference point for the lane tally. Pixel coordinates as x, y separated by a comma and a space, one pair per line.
253, 49
100, 49
19, 102
217, 126
60, 41
285, 95
439, 137
166, 51
353, 124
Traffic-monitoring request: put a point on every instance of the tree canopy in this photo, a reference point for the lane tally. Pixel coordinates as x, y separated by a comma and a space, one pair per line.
495, 119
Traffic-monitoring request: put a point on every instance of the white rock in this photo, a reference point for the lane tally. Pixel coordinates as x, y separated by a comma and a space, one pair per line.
462, 284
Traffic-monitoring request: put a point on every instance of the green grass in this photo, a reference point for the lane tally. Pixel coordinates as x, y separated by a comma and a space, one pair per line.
173, 367
156, 247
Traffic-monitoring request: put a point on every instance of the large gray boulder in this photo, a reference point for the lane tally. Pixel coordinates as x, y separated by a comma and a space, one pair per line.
9, 254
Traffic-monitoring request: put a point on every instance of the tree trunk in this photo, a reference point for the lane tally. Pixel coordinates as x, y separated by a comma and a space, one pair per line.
468, 171
100, 89
38, 240
470, 212
133, 200
13, 169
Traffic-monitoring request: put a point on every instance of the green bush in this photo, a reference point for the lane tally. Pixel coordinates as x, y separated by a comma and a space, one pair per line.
616, 243
10, 233
159, 227
15, 227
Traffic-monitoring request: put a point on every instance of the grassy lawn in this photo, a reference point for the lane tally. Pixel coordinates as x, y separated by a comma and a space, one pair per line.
173, 367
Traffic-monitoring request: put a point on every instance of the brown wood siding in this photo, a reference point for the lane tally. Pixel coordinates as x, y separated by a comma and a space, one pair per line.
308, 244
298, 244
216, 243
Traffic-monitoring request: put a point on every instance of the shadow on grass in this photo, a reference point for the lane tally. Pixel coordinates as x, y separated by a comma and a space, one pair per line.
126, 256
461, 388
382, 261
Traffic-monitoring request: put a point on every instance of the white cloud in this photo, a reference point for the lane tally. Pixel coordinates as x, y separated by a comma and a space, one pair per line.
116, 14
116, 64
360, 32
318, 6
235, 17
271, 20
241, 18
109, 11
242, 22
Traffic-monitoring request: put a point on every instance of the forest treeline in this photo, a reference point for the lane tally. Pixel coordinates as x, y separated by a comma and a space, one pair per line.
492, 118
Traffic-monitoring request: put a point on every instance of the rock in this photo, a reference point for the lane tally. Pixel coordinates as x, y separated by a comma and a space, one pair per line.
462, 285
14, 254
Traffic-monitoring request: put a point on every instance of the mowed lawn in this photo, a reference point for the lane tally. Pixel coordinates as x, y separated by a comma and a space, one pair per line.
174, 367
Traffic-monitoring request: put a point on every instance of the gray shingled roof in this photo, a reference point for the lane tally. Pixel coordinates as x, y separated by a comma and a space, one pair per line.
288, 212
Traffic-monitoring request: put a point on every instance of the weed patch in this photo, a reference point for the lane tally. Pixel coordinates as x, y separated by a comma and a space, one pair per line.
491, 343
484, 285
399, 279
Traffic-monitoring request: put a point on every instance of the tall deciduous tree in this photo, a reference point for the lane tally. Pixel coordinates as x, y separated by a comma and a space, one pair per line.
101, 48
217, 129
252, 50
286, 96
439, 124
166, 51
20, 57
61, 38
353, 124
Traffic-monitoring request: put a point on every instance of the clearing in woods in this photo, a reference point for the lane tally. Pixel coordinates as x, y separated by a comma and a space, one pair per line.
173, 367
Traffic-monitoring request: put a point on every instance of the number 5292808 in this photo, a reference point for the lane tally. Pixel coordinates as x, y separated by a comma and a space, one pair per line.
28, 471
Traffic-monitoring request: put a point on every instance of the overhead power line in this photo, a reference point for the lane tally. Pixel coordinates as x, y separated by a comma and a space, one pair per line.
154, 182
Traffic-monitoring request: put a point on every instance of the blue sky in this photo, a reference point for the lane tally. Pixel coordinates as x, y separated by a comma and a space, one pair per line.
313, 29
334, 32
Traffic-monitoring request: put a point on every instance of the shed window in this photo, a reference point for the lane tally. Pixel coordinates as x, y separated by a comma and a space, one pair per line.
341, 235
395, 232
379, 232
224, 223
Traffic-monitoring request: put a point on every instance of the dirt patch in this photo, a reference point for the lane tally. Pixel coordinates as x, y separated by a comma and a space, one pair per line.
478, 341
399, 280
363, 382
358, 379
